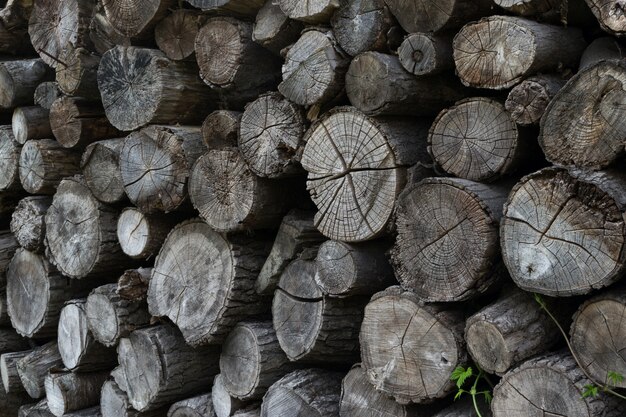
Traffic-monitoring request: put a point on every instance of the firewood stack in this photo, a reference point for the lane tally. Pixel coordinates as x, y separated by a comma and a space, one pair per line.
318, 208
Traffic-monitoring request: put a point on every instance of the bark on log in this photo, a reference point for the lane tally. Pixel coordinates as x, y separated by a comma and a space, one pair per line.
111, 317
582, 125
9, 160
14, 37
114, 403
311, 327
345, 269
34, 367
175, 35
273, 30
36, 410
81, 237
46, 93
136, 18
8, 246
224, 404
161, 368
378, 85
43, 165
551, 248
78, 76
600, 49
200, 406
610, 15
230, 198
250, 411
19, 79
426, 53
530, 7
317, 12
69, 391
355, 186
141, 235
527, 101
31, 123
550, 385
307, 393
409, 349
270, 136
522, 48
236, 7
152, 90
426, 16
8, 368
219, 270
102, 34
155, 163
133, 284
101, 169
27, 223
221, 129
314, 69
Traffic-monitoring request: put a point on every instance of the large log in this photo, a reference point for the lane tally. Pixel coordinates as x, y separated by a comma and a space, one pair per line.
141, 235
14, 37
136, 18
8, 369
273, 30
155, 163
70, 391
43, 165
224, 404
220, 129
9, 160
410, 349
175, 35
200, 406
34, 367
27, 222
153, 89
425, 16
78, 76
161, 368
562, 233
102, 34
528, 100
600, 49
197, 263
31, 122
316, 12
237, 7
610, 15
46, 93
101, 169
499, 51
19, 79
426, 53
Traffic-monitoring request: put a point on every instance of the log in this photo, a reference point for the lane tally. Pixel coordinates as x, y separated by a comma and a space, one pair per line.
111, 317
141, 235
234, 65
311, 327
200, 406
36, 292
230, 198
34, 367
133, 284
314, 69
161, 368
8, 368
153, 90
250, 411
424, 16
410, 349
224, 404
85, 412
78, 122
273, 30
102, 34
9, 160
70, 391
610, 15
135, 18
308, 392
8, 246
78, 76
14, 37
175, 35
447, 245
27, 223
524, 48
39, 409
317, 12
31, 123
270, 136
43, 165
46, 93
378, 85
236, 7
600, 49
582, 126
549, 247
19, 79
355, 187
345, 269
81, 237
477, 139
220, 129
528, 100
220, 270
296, 234
426, 53
101, 169
114, 403
155, 163
551, 384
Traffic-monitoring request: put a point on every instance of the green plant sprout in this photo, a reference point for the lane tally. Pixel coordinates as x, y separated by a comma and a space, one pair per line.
460, 376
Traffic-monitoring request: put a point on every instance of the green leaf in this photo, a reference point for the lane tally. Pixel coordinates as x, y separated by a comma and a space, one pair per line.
458, 395
615, 377
488, 397
460, 375
539, 299
590, 391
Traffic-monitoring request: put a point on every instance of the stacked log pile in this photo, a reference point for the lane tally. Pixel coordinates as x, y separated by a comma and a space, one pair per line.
318, 208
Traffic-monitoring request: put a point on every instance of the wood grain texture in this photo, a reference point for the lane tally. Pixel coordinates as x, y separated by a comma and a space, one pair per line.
34, 367
9, 160
46, 93
237, 7
19, 79
273, 30
136, 18
176, 34
317, 12
32, 122
436, 15
200, 406
220, 129
101, 169
43, 165
69, 391
27, 223
141, 235
610, 15
78, 74
528, 100
8, 369
426, 53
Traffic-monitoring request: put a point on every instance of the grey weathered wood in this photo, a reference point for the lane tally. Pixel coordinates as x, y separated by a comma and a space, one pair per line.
237, 7
133, 284
34, 367
8, 369
409, 349
425, 16
316, 12
426, 53
221, 270
528, 100
78, 75
273, 30
176, 34
102, 34
602, 48
19, 79
39, 409
114, 402
610, 15
71, 391
548, 247
8, 246
136, 18
249, 411
31, 122
141, 235
27, 222
224, 404
161, 368
524, 48
9, 160
14, 37
43, 165
101, 169
46, 93
200, 406
220, 129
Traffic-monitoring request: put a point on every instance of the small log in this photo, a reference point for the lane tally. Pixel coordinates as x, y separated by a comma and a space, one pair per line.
175, 35
70, 391
14, 37
155, 163
79, 74
409, 349
311, 327
237, 7
46, 93
425, 16
101, 169
523, 47
220, 269
548, 247
154, 90
528, 100
426, 53
135, 18
221, 129
77, 122
9, 160
27, 223
161, 368
314, 69
230, 198
8, 368
345, 269
224, 404
31, 123
133, 284
141, 235
34, 367
600, 49
200, 406
317, 12
114, 403
102, 34
273, 30
550, 385
44, 163
19, 79
111, 317
378, 85
313, 390
81, 237
610, 15
270, 136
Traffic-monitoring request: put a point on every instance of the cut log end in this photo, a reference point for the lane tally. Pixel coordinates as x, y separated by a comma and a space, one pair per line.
426, 54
